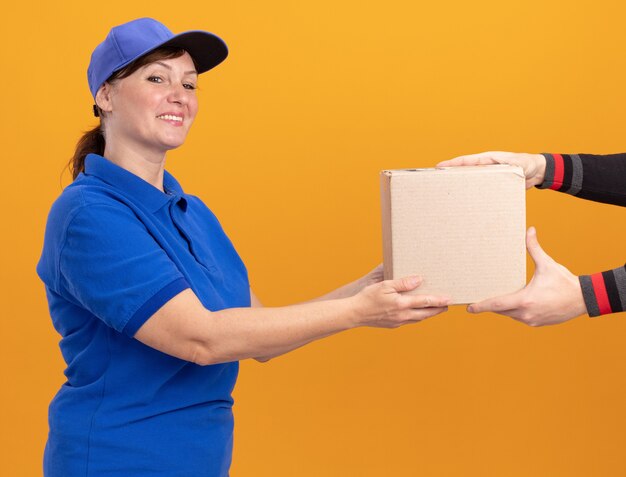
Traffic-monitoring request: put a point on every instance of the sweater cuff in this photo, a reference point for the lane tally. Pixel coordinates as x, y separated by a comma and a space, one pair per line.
548, 176
604, 292
564, 172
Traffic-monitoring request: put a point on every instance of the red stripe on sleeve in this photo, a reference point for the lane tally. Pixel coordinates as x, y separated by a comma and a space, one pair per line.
559, 169
602, 297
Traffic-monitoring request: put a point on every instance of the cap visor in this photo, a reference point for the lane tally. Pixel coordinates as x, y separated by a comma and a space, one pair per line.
206, 49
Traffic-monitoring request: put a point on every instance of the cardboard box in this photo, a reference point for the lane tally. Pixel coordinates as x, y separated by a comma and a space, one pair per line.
461, 228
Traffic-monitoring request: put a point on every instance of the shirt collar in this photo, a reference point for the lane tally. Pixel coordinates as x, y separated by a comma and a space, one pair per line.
134, 186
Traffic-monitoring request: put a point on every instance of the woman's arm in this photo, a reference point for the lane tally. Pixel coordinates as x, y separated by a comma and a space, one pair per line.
185, 329
254, 301
351, 289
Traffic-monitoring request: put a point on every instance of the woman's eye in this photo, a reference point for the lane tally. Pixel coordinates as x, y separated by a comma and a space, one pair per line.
155, 79
189, 86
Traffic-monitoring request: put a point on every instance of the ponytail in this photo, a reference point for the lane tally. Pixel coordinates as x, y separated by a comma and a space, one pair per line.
91, 142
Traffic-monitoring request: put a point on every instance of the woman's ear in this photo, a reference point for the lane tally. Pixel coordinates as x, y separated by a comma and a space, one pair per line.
103, 97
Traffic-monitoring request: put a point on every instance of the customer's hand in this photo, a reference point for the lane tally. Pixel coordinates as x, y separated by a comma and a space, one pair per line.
383, 305
534, 165
552, 296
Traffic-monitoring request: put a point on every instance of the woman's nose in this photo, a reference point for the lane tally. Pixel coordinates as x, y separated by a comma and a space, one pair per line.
178, 94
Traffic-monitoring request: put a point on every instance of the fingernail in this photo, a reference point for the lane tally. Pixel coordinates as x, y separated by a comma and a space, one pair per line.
470, 309
416, 281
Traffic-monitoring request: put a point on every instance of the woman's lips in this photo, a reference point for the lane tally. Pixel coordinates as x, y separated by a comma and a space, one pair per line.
174, 119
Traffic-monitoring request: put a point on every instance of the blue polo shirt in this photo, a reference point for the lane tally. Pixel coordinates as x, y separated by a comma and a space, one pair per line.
115, 250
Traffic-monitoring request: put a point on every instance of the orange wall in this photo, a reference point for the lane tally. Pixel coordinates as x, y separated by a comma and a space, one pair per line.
315, 99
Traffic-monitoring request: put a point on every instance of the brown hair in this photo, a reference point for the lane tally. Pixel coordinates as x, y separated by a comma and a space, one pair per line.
93, 141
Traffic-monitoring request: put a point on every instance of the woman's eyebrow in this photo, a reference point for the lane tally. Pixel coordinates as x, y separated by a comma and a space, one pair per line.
190, 72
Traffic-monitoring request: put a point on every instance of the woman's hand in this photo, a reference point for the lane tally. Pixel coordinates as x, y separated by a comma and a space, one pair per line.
352, 288
552, 296
383, 305
185, 329
375, 276
534, 165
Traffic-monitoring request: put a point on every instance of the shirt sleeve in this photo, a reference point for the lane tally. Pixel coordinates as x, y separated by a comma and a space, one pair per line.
111, 265
592, 177
601, 178
605, 292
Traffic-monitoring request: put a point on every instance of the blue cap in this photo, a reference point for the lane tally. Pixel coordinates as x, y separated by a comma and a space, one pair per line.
125, 43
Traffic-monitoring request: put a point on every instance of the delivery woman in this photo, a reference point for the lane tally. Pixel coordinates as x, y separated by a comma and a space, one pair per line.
150, 298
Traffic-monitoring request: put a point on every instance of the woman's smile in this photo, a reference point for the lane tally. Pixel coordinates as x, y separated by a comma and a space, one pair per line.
175, 119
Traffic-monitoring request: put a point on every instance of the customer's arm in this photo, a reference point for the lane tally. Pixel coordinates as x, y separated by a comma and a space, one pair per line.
555, 295
593, 177
552, 296
601, 178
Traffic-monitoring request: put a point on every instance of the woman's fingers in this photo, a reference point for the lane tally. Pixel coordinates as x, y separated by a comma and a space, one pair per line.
425, 301
428, 312
415, 316
405, 284
410, 283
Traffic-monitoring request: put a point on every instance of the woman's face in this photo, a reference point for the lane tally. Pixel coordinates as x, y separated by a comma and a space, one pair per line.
154, 107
